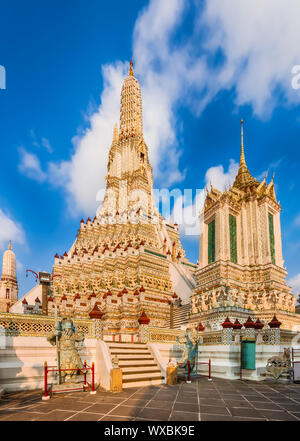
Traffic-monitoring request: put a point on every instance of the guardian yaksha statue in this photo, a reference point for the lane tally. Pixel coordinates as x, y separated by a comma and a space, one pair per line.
190, 344
280, 366
69, 341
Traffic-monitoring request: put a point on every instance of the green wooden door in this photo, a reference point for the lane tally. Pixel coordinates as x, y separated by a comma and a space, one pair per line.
248, 354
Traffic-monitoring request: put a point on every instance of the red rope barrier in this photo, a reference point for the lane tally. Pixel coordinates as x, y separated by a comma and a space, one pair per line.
84, 365
189, 372
86, 385
45, 396
188, 377
93, 379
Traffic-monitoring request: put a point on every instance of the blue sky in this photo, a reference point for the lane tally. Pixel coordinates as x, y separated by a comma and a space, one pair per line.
202, 67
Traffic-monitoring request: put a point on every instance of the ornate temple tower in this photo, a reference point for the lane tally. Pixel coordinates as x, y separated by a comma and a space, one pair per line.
129, 174
240, 261
128, 259
8, 283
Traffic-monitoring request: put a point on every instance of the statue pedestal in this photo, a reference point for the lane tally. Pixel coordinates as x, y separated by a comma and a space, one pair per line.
283, 379
172, 373
68, 387
116, 380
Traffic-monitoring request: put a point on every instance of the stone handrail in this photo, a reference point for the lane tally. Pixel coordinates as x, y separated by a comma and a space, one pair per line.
26, 325
163, 335
212, 338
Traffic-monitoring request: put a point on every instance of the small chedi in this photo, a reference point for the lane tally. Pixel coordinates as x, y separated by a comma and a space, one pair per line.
69, 344
8, 283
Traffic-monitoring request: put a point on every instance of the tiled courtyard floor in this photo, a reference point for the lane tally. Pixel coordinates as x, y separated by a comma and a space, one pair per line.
218, 400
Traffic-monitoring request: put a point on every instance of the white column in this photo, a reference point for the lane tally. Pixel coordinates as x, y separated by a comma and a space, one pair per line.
226, 241
278, 240
255, 232
203, 252
244, 227
239, 239
267, 235
250, 234
218, 235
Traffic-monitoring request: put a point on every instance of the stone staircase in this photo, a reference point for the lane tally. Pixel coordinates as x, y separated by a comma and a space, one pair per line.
180, 317
138, 364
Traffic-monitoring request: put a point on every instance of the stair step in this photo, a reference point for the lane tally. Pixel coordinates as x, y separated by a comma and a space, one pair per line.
141, 376
126, 345
138, 364
129, 351
135, 357
143, 383
129, 363
140, 370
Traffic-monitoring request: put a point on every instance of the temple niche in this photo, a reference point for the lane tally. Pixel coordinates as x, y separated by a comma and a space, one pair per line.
240, 251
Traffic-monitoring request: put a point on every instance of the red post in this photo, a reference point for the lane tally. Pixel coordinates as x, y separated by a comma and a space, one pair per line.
46, 379
189, 372
93, 379
84, 374
45, 396
209, 370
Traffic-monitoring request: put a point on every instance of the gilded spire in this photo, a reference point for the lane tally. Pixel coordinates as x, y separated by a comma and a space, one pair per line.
9, 245
131, 122
243, 178
130, 73
242, 158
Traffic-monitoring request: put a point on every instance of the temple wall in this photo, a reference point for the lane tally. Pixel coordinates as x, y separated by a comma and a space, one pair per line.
180, 283
24, 348
225, 359
22, 361
35, 292
224, 351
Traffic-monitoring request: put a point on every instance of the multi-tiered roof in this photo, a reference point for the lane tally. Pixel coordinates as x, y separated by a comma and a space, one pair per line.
127, 246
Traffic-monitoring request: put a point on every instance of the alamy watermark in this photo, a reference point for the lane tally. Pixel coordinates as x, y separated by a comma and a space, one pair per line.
296, 78
2, 77
124, 205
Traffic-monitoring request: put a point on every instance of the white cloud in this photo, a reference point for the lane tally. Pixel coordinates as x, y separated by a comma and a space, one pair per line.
177, 72
259, 40
19, 266
30, 166
187, 210
218, 178
10, 230
168, 74
46, 143
294, 282
84, 174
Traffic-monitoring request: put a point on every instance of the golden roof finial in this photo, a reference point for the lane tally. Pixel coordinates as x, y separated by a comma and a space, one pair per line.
131, 69
242, 159
9, 245
243, 178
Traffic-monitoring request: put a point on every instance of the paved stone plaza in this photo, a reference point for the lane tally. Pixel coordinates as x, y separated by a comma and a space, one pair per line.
218, 400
